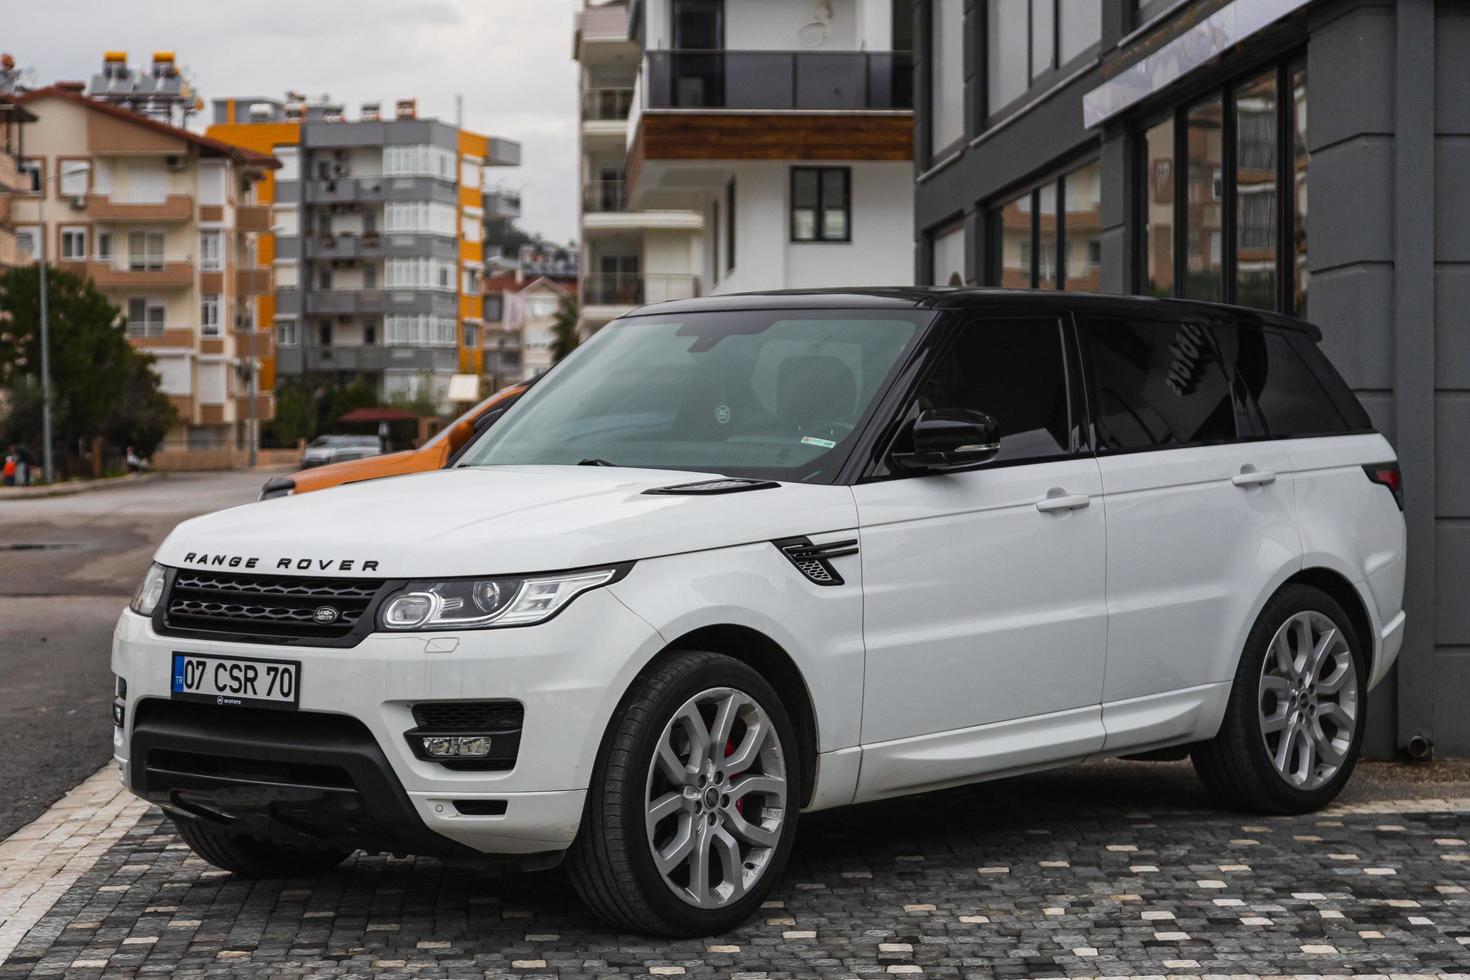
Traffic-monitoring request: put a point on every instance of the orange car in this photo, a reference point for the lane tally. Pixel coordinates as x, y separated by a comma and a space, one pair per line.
438, 452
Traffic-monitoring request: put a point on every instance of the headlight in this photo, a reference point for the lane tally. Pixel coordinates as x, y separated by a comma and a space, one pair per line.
277, 486
482, 603
148, 594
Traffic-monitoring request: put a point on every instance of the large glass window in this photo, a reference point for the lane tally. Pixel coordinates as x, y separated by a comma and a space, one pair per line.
947, 255
1156, 159
1256, 128
1204, 226
1156, 383
778, 396
1212, 177
946, 74
1028, 39
1051, 236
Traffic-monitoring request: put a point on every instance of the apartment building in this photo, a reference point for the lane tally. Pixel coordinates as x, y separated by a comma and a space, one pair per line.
376, 240
787, 126
13, 181
629, 255
520, 317
165, 222
1172, 147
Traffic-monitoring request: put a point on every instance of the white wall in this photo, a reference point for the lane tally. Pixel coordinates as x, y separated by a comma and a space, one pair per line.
880, 253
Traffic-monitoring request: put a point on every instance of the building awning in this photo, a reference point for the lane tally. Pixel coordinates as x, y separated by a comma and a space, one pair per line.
464, 388
1199, 44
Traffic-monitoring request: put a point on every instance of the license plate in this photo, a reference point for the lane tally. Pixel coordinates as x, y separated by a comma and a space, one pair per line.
236, 681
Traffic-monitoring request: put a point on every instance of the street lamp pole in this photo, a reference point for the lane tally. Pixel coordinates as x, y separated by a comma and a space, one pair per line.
45, 349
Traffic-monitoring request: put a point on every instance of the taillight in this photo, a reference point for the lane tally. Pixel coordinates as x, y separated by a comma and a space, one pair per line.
1388, 475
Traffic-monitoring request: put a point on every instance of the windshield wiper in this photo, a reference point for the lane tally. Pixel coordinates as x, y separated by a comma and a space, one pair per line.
595, 462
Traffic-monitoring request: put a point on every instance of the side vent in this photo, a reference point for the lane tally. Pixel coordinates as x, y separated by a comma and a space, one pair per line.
713, 487
815, 560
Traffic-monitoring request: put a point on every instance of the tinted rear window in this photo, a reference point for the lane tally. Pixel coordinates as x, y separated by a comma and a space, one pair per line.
1156, 383
1285, 381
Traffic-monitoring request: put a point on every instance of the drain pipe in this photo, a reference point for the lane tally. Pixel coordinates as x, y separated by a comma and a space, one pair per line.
1419, 748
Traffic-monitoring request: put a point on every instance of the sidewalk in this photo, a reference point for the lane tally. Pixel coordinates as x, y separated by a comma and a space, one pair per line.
71, 487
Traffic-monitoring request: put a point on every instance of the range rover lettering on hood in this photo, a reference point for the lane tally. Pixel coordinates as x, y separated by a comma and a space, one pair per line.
288, 564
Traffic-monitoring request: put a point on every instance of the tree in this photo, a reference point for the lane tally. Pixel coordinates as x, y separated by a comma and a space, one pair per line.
100, 385
145, 414
564, 327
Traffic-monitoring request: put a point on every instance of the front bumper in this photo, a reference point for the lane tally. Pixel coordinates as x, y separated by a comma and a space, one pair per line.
339, 770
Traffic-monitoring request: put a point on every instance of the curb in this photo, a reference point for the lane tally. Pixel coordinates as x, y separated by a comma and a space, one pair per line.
74, 487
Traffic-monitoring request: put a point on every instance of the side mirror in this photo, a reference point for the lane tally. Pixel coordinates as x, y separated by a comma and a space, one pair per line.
950, 439
459, 434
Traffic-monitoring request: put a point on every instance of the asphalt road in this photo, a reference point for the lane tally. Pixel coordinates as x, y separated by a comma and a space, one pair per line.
67, 567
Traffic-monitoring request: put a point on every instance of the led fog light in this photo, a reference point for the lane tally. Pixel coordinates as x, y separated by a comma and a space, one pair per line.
456, 746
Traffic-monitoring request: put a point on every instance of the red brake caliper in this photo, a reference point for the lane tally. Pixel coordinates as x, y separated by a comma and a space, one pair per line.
740, 803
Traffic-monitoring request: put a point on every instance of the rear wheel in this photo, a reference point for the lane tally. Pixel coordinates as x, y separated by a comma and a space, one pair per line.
1294, 724
252, 858
692, 808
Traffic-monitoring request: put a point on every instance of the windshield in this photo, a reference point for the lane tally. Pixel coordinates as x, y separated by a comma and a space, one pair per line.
767, 394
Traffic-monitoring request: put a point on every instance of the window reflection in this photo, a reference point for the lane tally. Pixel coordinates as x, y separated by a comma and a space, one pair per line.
1014, 221
1082, 224
1255, 192
1158, 209
1299, 160
1203, 225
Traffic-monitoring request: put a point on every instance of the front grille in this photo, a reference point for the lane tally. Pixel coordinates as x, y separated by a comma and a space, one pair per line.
468, 716
271, 606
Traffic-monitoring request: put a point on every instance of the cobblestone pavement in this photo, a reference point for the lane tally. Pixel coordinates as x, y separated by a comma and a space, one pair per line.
1095, 871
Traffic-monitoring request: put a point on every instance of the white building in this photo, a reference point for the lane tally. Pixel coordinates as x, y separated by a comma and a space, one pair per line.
787, 126
630, 256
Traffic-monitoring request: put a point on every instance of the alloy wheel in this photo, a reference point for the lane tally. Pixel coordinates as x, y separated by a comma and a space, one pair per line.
715, 803
1308, 700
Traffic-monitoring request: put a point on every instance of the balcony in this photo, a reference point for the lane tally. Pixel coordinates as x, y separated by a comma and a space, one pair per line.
253, 281
345, 189
161, 335
264, 410
779, 80
345, 301
501, 203
344, 246
174, 207
605, 195
142, 273
253, 217
629, 289
607, 104
254, 343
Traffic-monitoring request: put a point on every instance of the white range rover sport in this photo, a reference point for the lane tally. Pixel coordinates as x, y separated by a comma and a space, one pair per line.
744, 557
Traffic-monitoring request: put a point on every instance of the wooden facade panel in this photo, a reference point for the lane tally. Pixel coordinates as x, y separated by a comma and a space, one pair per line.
775, 136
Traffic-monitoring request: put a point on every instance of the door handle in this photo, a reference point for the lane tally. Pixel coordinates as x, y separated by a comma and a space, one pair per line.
1059, 501
1249, 476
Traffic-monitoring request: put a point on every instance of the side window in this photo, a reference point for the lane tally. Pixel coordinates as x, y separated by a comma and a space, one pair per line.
1156, 383
1283, 397
1014, 371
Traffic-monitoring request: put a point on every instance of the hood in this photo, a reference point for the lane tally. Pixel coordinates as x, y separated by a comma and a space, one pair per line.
497, 520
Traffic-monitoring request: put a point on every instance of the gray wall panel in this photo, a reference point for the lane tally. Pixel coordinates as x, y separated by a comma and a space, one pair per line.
1379, 405
1358, 227
1452, 326
1452, 68
1355, 52
1452, 197
1451, 572
1354, 307
1452, 447
1452, 670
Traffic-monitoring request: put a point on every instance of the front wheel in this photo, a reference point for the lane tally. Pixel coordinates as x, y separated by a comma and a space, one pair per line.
693, 803
1294, 723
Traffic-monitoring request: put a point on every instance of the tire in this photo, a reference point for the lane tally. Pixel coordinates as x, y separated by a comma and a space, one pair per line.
1319, 709
612, 864
252, 858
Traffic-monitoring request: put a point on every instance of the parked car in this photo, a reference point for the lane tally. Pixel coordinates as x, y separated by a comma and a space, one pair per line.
337, 448
745, 557
437, 452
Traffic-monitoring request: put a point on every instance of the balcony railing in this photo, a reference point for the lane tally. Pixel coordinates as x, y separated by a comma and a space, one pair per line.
611, 104
776, 80
102, 206
635, 289
605, 195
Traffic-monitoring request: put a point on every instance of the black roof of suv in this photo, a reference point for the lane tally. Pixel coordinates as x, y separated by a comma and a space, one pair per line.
963, 298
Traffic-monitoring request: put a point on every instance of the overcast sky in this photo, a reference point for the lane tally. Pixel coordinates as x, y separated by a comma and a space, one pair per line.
510, 59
